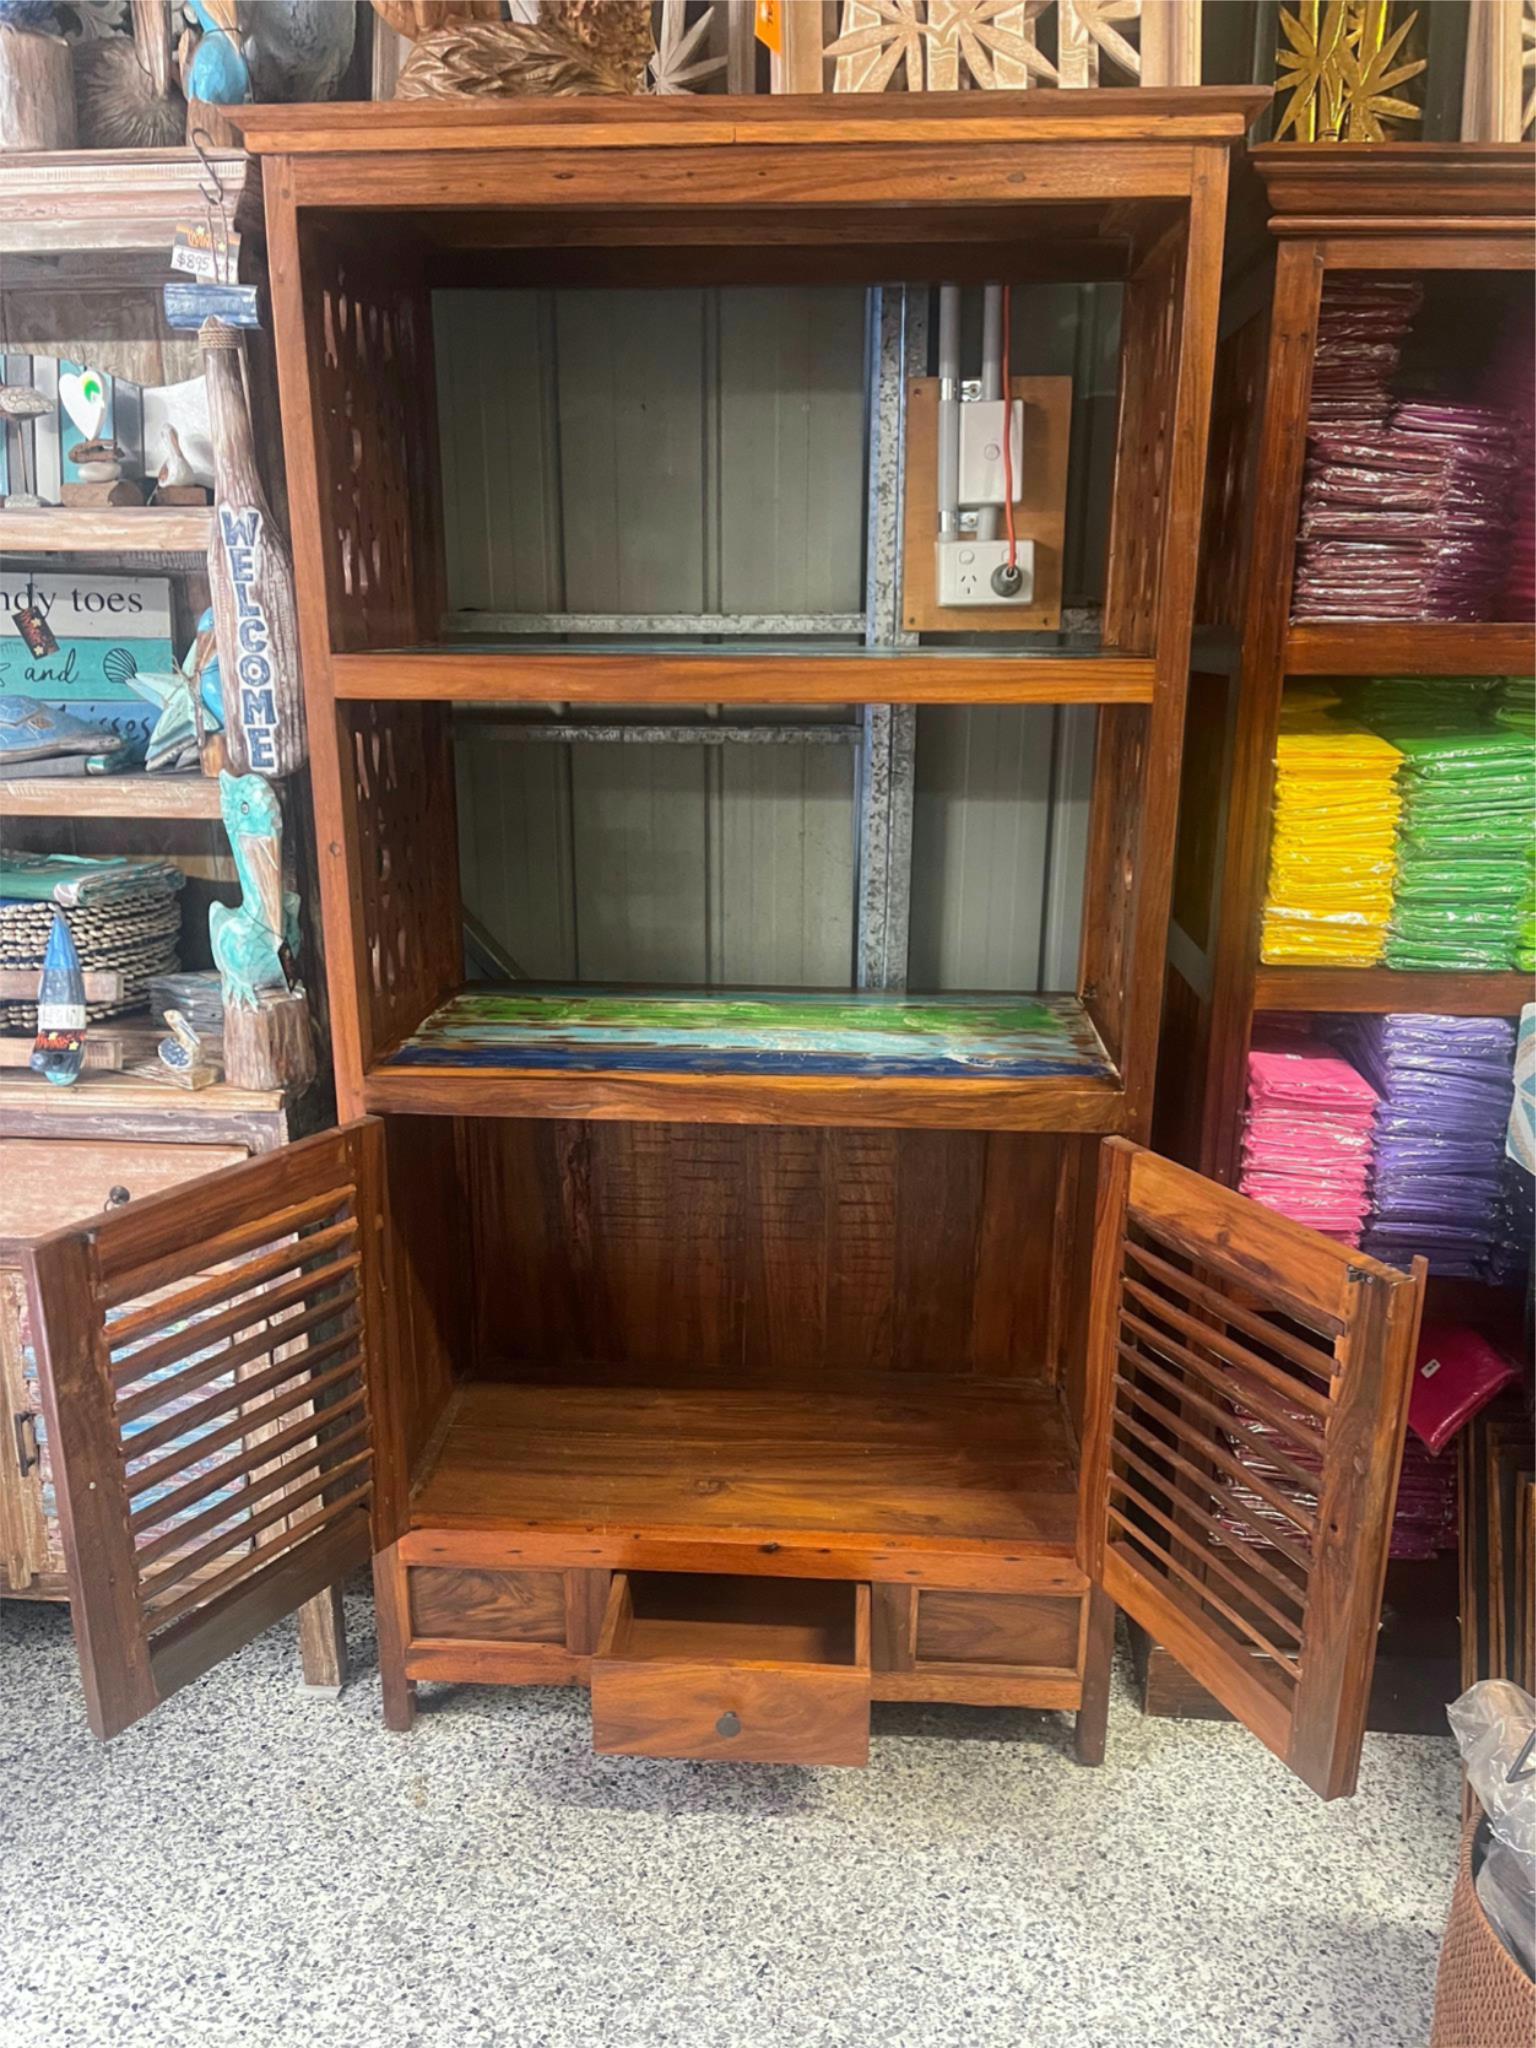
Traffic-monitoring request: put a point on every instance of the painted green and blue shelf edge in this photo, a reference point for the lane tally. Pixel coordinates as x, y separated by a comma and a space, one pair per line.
542, 1028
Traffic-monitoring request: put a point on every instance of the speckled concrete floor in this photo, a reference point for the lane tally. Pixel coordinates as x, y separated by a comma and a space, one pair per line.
258, 1867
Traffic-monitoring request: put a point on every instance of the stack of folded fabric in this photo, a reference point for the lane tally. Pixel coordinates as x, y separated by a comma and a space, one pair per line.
1410, 520
1332, 855
1464, 844
1360, 330
1515, 708
1446, 1085
1307, 1134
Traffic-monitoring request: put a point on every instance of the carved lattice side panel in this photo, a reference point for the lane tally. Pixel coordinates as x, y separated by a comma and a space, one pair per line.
1237, 404
1149, 371
401, 761
370, 361
951, 45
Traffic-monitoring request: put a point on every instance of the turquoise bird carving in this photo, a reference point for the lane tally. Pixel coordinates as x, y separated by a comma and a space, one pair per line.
253, 944
215, 70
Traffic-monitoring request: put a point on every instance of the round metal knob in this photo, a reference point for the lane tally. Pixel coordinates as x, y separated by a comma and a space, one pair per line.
728, 1724
116, 1197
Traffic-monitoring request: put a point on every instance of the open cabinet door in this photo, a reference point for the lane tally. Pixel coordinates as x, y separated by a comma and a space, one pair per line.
204, 1362
1248, 1389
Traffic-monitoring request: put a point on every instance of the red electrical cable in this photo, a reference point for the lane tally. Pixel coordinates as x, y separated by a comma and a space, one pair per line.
1013, 539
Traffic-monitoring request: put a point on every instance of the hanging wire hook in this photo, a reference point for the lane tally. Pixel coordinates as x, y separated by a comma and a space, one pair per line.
199, 137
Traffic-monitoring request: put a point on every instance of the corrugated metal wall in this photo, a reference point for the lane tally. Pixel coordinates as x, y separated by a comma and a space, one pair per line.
700, 451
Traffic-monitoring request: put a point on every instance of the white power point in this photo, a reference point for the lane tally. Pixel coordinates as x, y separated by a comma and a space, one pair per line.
981, 451
964, 570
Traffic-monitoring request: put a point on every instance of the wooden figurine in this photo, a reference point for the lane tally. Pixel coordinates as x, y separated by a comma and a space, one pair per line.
213, 67
267, 1039
250, 571
37, 85
176, 480
59, 1051
19, 403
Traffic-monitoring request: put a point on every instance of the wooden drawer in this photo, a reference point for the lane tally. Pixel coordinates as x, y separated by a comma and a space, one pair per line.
1030, 1630
740, 1670
49, 1184
498, 1607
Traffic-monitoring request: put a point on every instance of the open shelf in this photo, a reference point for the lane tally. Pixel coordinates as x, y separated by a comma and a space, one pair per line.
1379, 990
744, 1056
542, 675
106, 529
839, 1480
1410, 647
109, 796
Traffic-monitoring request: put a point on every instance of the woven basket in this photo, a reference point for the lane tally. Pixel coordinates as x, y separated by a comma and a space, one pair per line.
138, 934
1483, 1999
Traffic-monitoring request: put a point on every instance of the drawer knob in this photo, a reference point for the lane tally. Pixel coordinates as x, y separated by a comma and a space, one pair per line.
117, 1198
728, 1724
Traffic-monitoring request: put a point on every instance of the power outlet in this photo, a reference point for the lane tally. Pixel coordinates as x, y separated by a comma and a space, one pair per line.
963, 572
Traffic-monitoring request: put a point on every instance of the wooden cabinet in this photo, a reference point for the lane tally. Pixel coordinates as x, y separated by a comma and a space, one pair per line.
776, 1353
1456, 219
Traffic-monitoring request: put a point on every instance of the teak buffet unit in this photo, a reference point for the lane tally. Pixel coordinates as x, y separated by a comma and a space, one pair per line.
745, 1397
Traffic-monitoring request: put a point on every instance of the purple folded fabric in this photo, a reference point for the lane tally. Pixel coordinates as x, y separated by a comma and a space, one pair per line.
1438, 1186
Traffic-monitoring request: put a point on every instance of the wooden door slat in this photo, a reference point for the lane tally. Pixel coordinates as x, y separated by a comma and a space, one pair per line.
1235, 1354
254, 1559
1257, 1562
185, 1420
128, 1278
1202, 1589
1307, 1356
232, 1508
1260, 1447
217, 1287
1212, 1558
198, 1336
155, 1585
261, 1343
1236, 1468
255, 1454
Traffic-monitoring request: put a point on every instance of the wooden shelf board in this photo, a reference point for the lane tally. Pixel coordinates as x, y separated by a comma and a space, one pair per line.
109, 796
574, 675
53, 201
106, 529
1378, 990
1412, 647
734, 1056
856, 1475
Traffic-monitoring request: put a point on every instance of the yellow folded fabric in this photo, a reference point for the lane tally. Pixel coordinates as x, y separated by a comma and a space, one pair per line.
1333, 852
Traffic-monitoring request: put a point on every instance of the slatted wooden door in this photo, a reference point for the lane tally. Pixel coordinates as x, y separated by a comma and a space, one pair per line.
1248, 1391
205, 1365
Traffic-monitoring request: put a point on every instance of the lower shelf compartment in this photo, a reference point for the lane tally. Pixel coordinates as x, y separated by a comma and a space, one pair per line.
934, 1483
755, 1056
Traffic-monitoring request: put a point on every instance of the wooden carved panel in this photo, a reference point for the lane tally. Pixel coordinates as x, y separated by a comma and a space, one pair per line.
950, 45
370, 357
1237, 404
1149, 366
408, 871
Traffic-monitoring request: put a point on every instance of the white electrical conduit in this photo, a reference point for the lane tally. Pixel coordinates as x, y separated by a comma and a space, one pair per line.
949, 411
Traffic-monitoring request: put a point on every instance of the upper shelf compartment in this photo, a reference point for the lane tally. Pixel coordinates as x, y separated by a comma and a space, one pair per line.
580, 390
747, 1056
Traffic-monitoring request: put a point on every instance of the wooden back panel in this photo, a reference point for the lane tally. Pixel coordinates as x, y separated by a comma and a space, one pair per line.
1248, 1395
205, 1380
790, 1253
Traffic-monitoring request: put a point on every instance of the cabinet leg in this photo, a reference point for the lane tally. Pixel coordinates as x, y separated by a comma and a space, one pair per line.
1098, 1656
323, 1641
389, 1603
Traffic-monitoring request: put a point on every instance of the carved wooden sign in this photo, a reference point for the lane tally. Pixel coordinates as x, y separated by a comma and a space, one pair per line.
250, 572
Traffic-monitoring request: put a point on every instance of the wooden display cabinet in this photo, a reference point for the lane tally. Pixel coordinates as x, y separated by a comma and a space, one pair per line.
745, 1390
1458, 217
